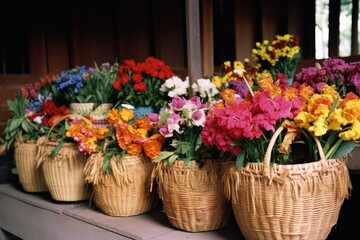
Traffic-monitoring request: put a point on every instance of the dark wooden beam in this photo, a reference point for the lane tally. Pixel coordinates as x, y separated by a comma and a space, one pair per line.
334, 27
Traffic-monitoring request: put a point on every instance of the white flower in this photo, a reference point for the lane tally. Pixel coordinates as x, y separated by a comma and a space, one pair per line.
127, 106
175, 86
38, 120
205, 88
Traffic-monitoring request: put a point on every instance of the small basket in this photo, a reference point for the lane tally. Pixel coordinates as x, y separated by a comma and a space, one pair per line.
31, 177
126, 192
64, 174
193, 198
99, 114
295, 201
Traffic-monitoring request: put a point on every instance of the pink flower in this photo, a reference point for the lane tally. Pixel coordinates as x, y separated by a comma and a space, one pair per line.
177, 103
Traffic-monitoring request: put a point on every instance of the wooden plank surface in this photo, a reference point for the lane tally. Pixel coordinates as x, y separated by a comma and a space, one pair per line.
61, 220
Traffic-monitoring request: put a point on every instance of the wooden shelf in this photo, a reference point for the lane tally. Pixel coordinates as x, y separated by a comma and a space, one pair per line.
37, 216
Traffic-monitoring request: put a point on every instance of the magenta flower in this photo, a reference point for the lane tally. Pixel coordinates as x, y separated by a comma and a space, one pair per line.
336, 72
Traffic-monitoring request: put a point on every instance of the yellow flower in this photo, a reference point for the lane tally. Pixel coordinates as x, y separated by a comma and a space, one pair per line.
351, 110
238, 65
124, 116
303, 120
320, 126
353, 133
336, 120
217, 81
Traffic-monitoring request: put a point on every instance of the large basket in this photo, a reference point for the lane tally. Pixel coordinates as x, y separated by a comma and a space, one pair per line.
126, 192
31, 177
193, 198
64, 175
298, 201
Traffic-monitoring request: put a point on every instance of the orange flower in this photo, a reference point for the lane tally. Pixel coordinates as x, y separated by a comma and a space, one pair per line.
143, 123
152, 146
228, 94
134, 149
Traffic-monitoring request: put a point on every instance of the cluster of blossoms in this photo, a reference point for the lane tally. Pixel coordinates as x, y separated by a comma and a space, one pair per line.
205, 89
279, 56
345, 76
71, 82
87, 137
245, 124
48, 114
181, 124
37, 93
236, 75
138, 84
332, 118
175, 87
124, 135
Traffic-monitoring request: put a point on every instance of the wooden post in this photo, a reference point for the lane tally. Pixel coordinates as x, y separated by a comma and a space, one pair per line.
193, 40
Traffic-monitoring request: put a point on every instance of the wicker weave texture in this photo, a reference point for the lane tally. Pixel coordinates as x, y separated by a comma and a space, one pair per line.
31, 178
99, 114
298, 201
128, 192
64, 174
193, 198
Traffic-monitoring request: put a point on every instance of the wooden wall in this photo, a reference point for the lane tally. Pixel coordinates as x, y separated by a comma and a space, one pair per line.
59, 35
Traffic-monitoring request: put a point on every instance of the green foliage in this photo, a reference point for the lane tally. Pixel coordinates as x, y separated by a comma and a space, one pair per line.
101, 81
19, 126
112, 150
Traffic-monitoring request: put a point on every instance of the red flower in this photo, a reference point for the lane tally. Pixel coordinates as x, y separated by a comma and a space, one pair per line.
137, 77
141, 86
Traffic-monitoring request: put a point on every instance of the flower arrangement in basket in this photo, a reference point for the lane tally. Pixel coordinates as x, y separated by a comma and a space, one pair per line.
268, 177
23, 130
243, 126
89, 91
119, 164
343, 75
281, 55
88, 85
139, 83
184, 170
235, 75
181, 124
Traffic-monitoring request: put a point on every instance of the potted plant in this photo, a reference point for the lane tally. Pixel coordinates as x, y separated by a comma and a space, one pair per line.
89, 91
60, 160
188, 179
344, 76
281, 55
269, 179
139, 83
24, 129
119, 164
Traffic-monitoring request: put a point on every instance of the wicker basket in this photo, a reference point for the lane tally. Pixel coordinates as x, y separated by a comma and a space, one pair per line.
31, 177
64, 174
193, 198
99, 114
298, 201
126, 192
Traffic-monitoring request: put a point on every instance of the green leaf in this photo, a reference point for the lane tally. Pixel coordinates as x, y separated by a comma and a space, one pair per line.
15, 124
56, 150
173, 158
240, 160
345, 148
25, 125
163, 155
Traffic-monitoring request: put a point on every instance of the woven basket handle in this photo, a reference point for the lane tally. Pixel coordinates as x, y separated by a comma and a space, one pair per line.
267, 157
